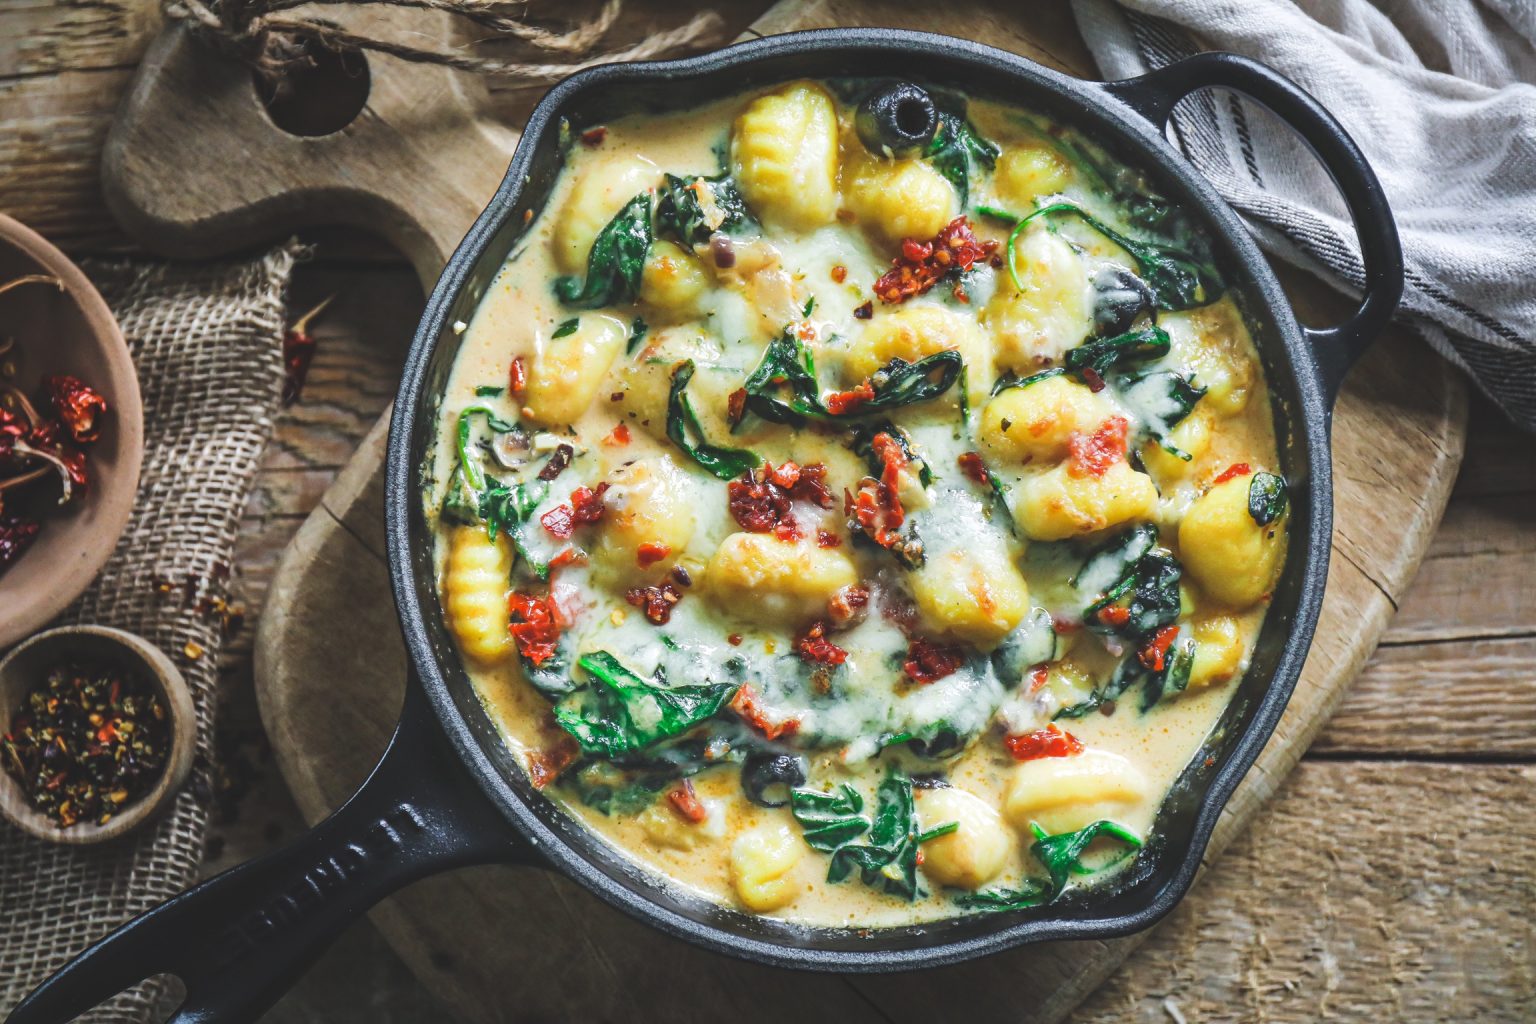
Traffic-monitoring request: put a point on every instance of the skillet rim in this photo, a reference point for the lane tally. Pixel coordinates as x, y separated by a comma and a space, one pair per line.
1309, 451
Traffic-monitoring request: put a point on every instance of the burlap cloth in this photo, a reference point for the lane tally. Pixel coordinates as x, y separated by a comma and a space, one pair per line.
206, 341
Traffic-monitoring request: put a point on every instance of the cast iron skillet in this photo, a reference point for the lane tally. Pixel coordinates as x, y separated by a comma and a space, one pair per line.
447, 793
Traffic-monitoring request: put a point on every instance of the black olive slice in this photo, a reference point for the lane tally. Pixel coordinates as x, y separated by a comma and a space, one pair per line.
1119, 300
765, 770
897, 119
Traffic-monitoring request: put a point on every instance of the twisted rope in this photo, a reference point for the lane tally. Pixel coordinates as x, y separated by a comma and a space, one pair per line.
256, 31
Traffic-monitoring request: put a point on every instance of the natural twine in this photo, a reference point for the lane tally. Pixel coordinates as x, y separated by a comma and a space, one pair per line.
258, 32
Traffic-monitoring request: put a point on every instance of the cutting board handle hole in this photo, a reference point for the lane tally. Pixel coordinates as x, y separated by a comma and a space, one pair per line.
318, 95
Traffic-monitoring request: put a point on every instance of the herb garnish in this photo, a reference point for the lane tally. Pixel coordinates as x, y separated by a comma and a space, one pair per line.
616, 261
567, 328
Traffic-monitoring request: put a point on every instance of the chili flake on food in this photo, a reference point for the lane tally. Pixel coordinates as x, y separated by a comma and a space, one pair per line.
1051, 741
922, 265
535, 626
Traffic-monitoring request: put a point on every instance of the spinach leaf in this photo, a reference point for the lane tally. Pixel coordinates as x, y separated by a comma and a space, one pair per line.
1126, 674
637, 333
474, 475
889, 859
460, 504
616, 261
829, 820
623, 713
1177, 278
957, 148
938, 830
509, 509
1161, 400
900, 383
1062, 854
862, 443
1142, 602
567, 328
1008, 381
488, 391
1029, 893
786, 363
1103, 354
609, 790
724, 463
1115, 559
1266, 498
1174, 676
683, 214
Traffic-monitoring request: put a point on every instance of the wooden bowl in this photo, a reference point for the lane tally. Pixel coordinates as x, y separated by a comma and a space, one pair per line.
25, 666
70, 331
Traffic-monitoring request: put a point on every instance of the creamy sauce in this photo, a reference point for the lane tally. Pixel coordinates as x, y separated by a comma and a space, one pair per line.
852, 721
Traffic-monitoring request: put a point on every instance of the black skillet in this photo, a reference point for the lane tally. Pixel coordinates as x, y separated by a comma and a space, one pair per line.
447, 793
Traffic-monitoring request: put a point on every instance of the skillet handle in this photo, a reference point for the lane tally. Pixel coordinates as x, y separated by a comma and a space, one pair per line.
1155, 94
239, 940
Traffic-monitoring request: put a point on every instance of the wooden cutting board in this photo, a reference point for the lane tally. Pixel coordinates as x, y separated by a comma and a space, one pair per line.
502, 944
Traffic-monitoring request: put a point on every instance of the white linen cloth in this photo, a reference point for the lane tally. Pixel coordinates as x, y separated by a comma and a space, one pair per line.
1440, 96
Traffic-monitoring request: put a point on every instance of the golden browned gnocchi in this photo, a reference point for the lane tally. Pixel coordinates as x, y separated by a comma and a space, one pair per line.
844, 513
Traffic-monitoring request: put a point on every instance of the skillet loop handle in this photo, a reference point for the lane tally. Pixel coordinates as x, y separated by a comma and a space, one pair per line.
239, 940
1155, 94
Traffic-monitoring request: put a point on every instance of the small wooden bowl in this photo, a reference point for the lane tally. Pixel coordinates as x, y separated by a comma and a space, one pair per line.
25, 666
70, 331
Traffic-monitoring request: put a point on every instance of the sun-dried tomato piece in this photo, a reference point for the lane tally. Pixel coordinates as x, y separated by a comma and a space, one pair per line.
848, 604
1114, 615
1237, 469
656, 602
811, 486
813, 646
746, 704
827, 539
77, 406
559, 522
587, 503
517, 376
922, 265
593, 137
840, 402
545, 766
1051, 741
535, 626
568, 556
1093, 454
974, 468
1038, 677
1154, 652
685, 801
756, 505
928, 662
651, 552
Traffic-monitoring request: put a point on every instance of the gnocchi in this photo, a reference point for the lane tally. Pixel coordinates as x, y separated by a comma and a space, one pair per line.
567, 372
913, 332
475, 584
784, 156
648, 522
1063, 794
1038, 421
1061, 503
1231, 556
600, 192
761, 575
975, 852
1053, 311
763, 862
900, 198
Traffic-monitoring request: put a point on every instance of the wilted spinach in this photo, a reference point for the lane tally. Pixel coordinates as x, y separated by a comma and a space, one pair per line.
829, 819
724, 463
1062, 857
888, 860
681, 215
616, 262
1266, 498
861, 443
786, 365
606, 719
955, 151
1104, 354
1008, 381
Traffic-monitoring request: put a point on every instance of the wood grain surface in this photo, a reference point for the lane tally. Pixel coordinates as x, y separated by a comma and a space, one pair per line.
1389, 879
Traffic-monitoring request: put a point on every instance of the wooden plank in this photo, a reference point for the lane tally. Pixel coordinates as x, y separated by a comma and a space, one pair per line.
39, 37
1389, 892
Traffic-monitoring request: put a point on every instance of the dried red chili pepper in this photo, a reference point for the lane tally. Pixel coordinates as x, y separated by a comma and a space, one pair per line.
535, 626
299, 352
813, 646
928, 661
16, 535
619, 435
1048, 742
77, 406
922, 265
557, 462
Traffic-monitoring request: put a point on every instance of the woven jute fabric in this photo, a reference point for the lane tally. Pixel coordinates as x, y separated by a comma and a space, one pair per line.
207, 345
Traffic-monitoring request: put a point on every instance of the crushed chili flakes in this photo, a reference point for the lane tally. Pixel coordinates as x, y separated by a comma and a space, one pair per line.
1052, 741
1038, 677
839, 273
1154, 653
1092, 379
656, 602
929, 662
973, 467
517, 376
921, 264
545, 766
734, 639
746, 704
1093, 454
813, 646
651, 552
535, 626
619, 435
839, 403
864, 312
87, 741
827, 539
594, 137
685, 801
1237, 469
848, 604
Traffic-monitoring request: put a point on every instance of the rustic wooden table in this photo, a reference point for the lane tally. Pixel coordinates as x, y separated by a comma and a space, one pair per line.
1390, 879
